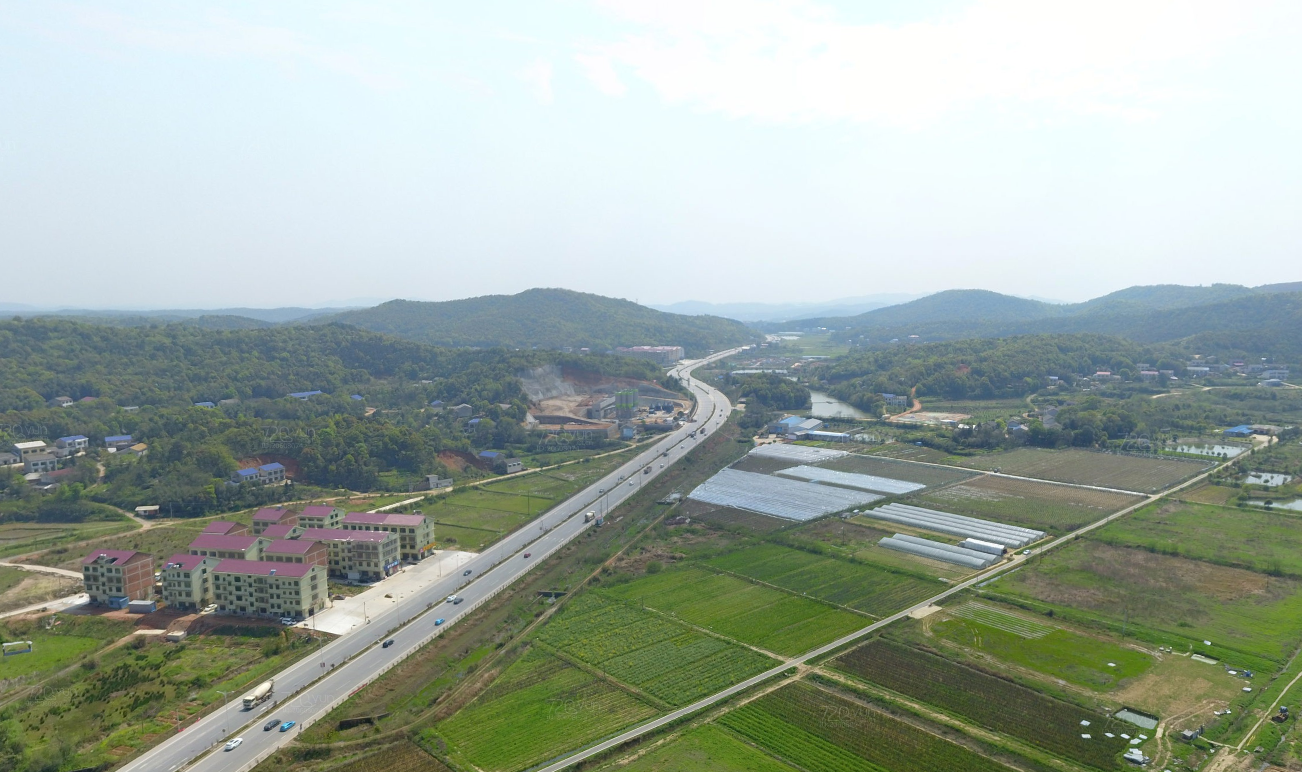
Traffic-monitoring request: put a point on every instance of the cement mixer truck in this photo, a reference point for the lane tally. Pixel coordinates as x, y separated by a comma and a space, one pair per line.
259, 695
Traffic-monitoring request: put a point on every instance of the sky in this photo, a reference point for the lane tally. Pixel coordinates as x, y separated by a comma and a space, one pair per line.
195, 155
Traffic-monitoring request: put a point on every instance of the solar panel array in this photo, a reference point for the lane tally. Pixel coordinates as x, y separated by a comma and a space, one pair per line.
777, 496
867, 482
801, 453
956, 525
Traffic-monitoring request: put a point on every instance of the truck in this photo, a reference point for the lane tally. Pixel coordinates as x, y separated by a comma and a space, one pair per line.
588, 517
259, 695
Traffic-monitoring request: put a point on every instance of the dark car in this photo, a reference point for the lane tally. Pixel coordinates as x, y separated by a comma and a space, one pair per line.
467, 572
386, 644
272, 724
528, 554
457, 601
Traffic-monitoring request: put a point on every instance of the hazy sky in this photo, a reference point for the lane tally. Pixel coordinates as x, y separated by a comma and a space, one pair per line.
164, 154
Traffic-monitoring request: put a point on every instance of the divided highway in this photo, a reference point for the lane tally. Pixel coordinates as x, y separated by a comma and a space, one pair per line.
312, 687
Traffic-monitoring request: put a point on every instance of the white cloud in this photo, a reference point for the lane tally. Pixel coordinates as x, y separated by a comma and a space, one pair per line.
538, 75
602, 74
793, 60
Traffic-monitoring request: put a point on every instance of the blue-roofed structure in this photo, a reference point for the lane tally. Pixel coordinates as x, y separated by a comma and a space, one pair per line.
490, 455
246, 474
1243, 430
204, 404
357, 397
437, 403
119, 441
305, 394
473, 422
274, 466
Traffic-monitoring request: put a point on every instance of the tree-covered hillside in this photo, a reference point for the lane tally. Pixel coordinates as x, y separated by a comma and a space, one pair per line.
547, 318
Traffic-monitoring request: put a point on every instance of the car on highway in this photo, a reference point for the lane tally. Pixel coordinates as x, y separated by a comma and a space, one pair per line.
438, 621
233, 744
467, 572
451, 599
272, 724
457, 602
528, 555
288, 725
386, 644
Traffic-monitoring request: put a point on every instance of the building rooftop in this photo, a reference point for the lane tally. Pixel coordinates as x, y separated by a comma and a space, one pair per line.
247, 472
277, 531
263, 568
272, 514
114, 557
289, 547
184, 562
30, 444
342, 534
213, 541
383, 518
222, 528
272, 467
73, 438
118, 438
318, 510
305, 394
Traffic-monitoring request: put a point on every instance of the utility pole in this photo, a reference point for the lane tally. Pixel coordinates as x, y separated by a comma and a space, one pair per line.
226, 704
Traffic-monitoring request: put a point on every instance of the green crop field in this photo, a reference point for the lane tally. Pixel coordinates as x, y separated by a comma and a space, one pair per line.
1044, 506
540, 707
988, 701
399, 757
899, 470
1143, 474
645, 650
911, 452
867, 588
709, 748
1269, 542
819, 732
1186, 601
1056, 652
770, 619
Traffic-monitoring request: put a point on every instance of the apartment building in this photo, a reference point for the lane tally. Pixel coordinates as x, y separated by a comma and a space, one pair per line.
415, 533
358, 556
296, 551
115, 577
321, 517
187, 581
262, 588
269, 516
229, 547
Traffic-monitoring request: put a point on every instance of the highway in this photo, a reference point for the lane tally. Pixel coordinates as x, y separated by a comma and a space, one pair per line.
313, 686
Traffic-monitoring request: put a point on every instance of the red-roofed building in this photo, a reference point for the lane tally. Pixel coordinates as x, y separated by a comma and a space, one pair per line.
320, 517
415, 534
228, 547
262, 588
187, 581
272, 516
296, 551
226, 528
116, 577
358, 556
274, 532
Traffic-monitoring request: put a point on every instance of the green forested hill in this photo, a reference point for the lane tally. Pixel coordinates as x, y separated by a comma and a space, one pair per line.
547, 318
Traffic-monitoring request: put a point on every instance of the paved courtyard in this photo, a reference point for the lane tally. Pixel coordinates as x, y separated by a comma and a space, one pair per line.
345, 615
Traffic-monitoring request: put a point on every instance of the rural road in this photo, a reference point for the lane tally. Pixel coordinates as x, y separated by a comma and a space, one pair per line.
42, 569
310, 688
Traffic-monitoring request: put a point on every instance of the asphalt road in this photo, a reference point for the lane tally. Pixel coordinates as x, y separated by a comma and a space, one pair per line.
348, 663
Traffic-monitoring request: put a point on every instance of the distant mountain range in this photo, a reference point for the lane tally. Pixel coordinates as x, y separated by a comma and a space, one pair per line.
780, 312
267, 315
546, 318
1230, 317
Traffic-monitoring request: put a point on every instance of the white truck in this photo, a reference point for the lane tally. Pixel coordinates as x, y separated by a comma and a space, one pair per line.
588, 517
259, 695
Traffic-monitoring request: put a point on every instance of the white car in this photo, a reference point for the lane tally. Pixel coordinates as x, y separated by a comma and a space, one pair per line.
451, 599
233, 744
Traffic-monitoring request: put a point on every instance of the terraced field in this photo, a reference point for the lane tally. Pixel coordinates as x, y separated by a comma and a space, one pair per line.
820, 732
1044, 506
867, 588
988, 701
643, 649
1143, 474
540, 707
770, 619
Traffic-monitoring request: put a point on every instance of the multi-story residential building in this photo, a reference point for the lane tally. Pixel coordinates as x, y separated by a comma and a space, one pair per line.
67, 446
225, 528
117, 441
274, 532
415, 533
228, 547
30, 448
187, 581
321, 517
296, 551
364, 556
115, 577
261, 588
39, 463
268, 516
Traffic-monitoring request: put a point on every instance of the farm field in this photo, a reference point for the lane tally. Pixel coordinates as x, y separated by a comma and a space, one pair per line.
1083, 467
988, 701
980, 410
161, 542
1185, 601
1254, 539
643, 649
735, 608
540, 707
1209, 494
930, 476
764, 464
910, 452
708, 748
1044, 506
871, 589
18, 538
820, 732
399, 757
734, 519
1058, 653
857, 538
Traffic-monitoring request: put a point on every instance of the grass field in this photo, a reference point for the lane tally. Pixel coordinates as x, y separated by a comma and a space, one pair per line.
19, 588
18, 538
760, 616
399, 757
1187, 601
643, 649
910, 452
871, 589
1209, 494
540, 707
820, 732
734, 519
1053, 651
988, 701
1044, 506
1256, 539
857, 539
981, 410
162, 542
899, 470
709, 747
1083, 467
